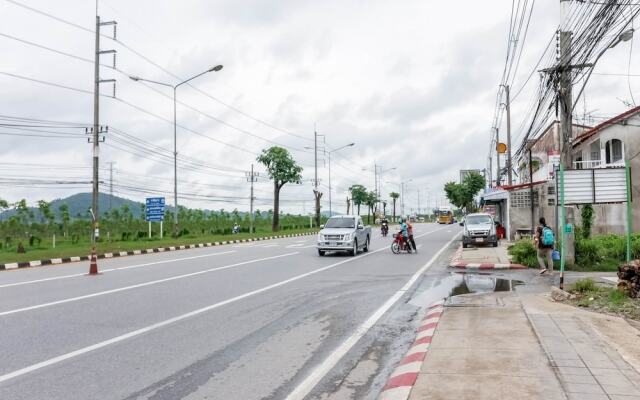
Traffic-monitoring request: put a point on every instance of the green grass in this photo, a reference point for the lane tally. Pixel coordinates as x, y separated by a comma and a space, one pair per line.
584, 285
67, 249
604, 299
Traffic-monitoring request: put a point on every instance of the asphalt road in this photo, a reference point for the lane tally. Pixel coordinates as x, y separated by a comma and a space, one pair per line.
251, 321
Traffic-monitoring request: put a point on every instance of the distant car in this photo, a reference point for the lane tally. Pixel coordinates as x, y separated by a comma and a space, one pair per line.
344, 233
479, 229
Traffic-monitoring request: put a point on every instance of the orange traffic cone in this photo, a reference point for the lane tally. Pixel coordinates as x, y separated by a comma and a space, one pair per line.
93, 266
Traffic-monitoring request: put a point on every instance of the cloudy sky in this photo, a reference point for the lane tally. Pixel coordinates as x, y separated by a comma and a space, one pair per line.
412, 83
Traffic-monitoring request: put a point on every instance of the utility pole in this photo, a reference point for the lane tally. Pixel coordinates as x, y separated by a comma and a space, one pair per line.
509, 167
252, 177
490, 174
110, 184
566, 107
497, 157
97, 129
418, 202
317, 194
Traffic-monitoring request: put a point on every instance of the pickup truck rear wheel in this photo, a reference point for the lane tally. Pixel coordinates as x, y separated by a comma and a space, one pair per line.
366, 245
354, 251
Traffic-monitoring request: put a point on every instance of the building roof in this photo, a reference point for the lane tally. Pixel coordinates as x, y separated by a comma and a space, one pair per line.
591, 132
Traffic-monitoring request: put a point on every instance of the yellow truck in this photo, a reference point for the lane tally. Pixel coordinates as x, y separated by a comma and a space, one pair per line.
445, 215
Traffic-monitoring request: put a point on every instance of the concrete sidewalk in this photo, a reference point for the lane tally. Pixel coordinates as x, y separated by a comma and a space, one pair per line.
521, 345
484, 257
484, 348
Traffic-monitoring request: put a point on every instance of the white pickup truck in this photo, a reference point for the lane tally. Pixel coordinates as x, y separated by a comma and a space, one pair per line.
344, 233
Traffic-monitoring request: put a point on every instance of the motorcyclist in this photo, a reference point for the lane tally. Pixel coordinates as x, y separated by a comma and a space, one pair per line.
405, 234
410, 240
384, 226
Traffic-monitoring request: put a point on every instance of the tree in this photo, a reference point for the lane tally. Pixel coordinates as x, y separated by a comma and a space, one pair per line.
394, 196
358, 195
282, 169
372, 199
4, 205
45, 213
64, 215
461, 194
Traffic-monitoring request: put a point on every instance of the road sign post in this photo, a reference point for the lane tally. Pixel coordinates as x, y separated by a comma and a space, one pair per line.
154, 212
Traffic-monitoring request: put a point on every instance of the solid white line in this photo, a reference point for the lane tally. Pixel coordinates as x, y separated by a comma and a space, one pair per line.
307, 385
139, 285
114, 269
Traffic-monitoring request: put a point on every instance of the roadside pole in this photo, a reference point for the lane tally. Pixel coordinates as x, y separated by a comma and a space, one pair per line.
629, 213
563, 242
251, 177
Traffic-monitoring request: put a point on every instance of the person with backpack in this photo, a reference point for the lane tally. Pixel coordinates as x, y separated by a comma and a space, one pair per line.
545, 242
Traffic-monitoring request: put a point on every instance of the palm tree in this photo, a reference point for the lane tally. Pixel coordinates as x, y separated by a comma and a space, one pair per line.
394, 196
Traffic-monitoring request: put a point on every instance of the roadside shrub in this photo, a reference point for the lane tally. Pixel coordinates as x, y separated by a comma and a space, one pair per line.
587, 220
34, 240
617, 297
587, 252
524, 252
584, 285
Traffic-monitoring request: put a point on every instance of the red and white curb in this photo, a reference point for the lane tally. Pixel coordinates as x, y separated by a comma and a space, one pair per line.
403, 378
466, 265
456, 263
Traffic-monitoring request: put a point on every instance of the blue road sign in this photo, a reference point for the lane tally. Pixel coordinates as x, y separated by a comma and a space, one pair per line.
155, 201
154, 211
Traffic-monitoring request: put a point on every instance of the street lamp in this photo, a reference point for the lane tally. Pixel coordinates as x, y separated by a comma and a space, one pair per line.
175, 134
623, 37
329, 156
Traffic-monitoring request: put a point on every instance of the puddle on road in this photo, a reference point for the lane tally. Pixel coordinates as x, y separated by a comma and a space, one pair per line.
457, 283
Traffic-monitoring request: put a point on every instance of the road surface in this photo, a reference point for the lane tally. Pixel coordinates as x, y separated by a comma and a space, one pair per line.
250, 321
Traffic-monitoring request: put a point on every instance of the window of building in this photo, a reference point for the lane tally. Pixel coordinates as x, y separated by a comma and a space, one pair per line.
594, 151
551, 201
613, 151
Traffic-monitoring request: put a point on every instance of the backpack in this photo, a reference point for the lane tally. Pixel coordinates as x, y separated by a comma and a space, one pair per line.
547, 236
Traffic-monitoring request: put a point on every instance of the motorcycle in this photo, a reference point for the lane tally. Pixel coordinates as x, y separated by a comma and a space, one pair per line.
399, 244
384, 229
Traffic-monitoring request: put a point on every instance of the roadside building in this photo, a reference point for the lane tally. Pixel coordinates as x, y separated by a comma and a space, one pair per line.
606, 145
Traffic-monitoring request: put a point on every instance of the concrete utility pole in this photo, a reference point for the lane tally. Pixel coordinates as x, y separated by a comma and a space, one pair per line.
252, 177
110, 184
566, 126
508, 106
497, 157
97, 129
316, 193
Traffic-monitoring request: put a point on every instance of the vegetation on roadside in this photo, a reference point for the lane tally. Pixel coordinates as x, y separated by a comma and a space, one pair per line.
69, 249
598, 253
607, 300
462, 194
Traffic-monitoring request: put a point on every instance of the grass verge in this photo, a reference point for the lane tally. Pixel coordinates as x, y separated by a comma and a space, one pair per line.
67, 249
604, 299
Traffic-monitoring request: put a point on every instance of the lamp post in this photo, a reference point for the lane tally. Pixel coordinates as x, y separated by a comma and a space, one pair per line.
329, 156
175, 133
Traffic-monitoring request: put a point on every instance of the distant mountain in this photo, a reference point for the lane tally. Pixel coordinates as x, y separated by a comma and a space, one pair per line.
79, 205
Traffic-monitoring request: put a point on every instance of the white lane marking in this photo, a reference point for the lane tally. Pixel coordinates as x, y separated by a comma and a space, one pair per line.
116, 269
291, 246
270, 245
139, 285
307, 385
155, 326
308, 247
